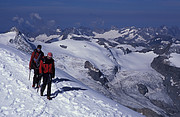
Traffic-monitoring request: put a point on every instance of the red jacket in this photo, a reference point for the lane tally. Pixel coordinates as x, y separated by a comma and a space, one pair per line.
47, 66
35, 59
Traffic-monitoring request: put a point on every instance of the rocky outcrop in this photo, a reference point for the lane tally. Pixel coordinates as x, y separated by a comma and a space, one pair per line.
147, 112
80, 39
175, 48
96, 74
171, 81
142, 89
21, 42
63, 46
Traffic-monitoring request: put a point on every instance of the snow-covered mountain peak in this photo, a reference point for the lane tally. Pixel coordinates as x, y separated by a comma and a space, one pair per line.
17, 40
46, 38
14, 29
6, 37
112, 34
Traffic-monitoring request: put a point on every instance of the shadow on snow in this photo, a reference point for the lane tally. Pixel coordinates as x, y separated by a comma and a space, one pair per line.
64, 89
57, 80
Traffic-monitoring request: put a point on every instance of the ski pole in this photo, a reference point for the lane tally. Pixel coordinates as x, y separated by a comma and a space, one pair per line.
29, 74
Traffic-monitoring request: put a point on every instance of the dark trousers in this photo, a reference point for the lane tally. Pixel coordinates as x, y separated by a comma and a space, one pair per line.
36, 77
46, 81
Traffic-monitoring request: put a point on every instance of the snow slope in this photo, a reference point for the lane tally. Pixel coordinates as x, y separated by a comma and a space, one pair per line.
4, 38
76, 53
44, 37
70, 97
174, 59
137, 61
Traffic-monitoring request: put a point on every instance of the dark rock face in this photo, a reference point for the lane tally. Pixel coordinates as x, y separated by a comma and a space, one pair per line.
125, 51
63, 46
169, 109
80, 39
171, 81
52, 40
142, 89
147, 112
95, 73
88, 65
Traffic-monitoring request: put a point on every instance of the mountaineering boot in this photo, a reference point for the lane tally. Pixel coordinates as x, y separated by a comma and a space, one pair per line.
41, 93
33, 86
49, 98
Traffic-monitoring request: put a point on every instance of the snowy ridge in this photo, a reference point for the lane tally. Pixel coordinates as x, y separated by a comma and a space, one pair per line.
5, 38
45, 38
16, 39
127, 34
174, 59
174, 56
112, 34
70, 97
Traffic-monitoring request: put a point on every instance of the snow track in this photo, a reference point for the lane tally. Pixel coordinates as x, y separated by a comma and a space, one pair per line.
70, 97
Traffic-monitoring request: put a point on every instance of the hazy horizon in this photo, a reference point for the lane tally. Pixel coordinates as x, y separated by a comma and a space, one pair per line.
89, 13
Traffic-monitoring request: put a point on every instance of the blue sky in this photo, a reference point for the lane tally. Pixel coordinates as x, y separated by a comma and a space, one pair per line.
91, 13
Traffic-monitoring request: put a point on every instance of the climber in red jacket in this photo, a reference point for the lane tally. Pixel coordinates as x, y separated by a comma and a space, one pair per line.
34, 63
47, 70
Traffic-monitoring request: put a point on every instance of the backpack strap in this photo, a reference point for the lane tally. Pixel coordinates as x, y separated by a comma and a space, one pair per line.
35, 51
38, 59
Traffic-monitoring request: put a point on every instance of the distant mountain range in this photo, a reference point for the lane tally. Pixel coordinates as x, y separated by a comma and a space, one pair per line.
156, 39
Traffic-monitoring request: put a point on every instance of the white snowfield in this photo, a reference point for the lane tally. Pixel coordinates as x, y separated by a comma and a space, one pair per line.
174, 59
112, 34
4, 38
70, 98
108, 35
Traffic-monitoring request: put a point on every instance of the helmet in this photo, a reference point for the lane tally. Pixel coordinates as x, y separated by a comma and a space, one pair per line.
50, 55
